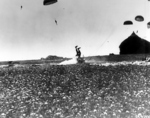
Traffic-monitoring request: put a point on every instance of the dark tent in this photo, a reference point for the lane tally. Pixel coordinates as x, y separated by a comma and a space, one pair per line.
134, 45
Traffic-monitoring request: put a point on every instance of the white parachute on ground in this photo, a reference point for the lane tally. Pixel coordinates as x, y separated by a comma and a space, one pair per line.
71, 61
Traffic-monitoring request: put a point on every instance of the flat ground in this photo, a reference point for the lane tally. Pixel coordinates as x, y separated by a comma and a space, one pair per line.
75, 91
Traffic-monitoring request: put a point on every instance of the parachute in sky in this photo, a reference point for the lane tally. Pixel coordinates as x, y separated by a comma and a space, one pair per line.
56, 22
148, 25
139, 18
49, 2
128, 22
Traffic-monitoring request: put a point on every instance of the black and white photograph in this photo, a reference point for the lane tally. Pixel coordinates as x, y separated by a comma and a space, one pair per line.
74, 58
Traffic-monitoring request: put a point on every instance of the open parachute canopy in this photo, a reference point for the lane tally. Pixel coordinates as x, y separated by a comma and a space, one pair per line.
48, 2
148, 25
128, 22
139, 18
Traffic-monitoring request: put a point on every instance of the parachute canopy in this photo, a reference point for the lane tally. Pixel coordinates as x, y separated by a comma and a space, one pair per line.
48, 2
128, 22
139, 18
148, 25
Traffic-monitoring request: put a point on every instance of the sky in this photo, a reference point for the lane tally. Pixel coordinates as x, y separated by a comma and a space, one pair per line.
96, 26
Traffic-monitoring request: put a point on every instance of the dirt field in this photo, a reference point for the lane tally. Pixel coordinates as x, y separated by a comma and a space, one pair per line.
75, 91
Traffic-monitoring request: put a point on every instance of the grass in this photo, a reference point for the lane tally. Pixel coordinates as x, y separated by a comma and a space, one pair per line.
75, 91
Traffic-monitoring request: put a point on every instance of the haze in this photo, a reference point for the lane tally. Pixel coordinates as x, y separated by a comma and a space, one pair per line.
31, 31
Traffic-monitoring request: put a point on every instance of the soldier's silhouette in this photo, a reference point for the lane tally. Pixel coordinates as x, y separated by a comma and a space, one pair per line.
78, 52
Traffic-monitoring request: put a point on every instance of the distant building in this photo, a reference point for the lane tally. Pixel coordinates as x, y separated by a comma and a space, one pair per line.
111, 54
134, 45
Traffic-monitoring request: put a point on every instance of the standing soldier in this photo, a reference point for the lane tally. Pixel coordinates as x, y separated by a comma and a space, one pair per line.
79, 59
79, 52
76, 47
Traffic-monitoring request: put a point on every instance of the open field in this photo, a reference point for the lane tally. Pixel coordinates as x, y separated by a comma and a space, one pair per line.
75, 91
117, 58
25, 62
91, 59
